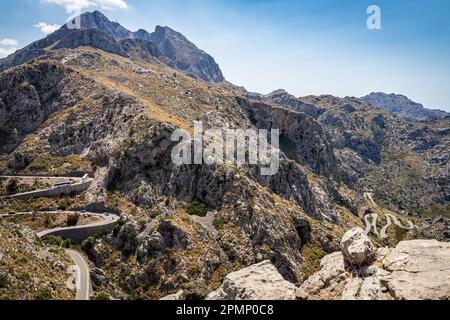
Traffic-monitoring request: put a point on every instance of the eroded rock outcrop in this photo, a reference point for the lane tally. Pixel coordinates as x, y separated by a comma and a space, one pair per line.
258, 282
357, 248
414, 270
419, 269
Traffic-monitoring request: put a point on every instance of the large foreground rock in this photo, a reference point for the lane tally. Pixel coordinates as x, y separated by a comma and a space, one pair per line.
328, 281
261, 281
414, 270
419, 270
357, 248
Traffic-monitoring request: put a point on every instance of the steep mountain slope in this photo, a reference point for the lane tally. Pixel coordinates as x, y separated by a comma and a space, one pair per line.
118, 128
406, 162
185, 56
402, 106
29, 271
99, 32
105, 102
283, 98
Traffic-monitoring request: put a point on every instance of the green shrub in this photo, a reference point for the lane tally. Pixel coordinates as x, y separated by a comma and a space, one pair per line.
400, 234
103, 296
43, 294
116, 229
53, 241
12, 186
64, 205
72, 220
197, 208
25, 276
219, 222
154, 214
88, 244
67, 244
4, 283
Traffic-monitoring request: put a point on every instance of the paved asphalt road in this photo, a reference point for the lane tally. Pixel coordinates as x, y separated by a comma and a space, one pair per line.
83, 277
105, 221
84, 280
389, 219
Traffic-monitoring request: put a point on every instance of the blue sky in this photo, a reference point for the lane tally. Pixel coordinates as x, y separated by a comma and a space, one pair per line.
306, 47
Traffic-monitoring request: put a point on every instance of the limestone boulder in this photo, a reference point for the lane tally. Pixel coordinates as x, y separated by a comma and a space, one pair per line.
419, 270
261, 281
357, 248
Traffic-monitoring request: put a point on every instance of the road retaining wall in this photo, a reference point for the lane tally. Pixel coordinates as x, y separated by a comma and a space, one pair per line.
54, 192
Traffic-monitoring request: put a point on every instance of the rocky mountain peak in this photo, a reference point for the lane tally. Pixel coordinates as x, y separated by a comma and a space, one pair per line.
181, 54
185, 56
402, 106
284, 98
97, 20
278, 92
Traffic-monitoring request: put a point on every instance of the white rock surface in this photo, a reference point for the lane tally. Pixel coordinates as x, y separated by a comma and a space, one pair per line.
420, 270
414, 270
330, 278
357, 248
261, 281
174, 297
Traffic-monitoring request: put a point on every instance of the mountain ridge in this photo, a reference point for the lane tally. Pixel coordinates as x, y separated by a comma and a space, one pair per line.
401, 105
181, 54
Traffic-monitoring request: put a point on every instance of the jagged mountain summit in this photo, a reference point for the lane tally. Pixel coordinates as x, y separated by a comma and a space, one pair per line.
403, 106
99, 32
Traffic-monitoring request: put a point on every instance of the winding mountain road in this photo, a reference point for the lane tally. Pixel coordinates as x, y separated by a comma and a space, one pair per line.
83, 281
83, 284
371, 225
390, 219
106, 221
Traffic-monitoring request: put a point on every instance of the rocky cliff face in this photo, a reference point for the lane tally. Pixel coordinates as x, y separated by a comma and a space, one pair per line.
258, 282
97, 20
29, 95
414, 270
185, 56
92, 38
402, 106
384, 153
283, 98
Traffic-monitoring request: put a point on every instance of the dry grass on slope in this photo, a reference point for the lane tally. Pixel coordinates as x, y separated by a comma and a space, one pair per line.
27, 270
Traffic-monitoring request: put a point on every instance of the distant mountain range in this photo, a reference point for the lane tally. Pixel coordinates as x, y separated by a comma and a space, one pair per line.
393, 103
402, 106
99, 32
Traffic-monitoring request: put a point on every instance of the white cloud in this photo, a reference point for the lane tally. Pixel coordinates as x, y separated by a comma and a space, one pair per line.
47, 28
9, 42
6, 52
112, 4
74, 6
10, 47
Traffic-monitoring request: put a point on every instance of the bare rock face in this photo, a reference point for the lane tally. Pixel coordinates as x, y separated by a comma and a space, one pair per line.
419, 269
27, 99
414, 270
357, 248
328, 281
258, 282
402, 106
185, 56
174, 297
369, 288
